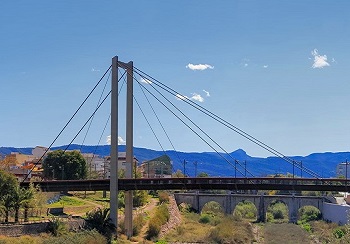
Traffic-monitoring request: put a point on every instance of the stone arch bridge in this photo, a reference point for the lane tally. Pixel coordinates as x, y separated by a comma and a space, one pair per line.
228, 202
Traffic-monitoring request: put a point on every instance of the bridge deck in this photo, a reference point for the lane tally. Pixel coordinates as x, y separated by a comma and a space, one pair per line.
293, 184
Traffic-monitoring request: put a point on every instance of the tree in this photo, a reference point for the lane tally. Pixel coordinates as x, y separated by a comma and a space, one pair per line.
178, 174
7, 162
203, 175
65, 165
8, 185
22, 197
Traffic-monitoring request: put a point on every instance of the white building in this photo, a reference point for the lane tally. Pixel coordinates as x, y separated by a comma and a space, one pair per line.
121, 163
343, 170
95, 164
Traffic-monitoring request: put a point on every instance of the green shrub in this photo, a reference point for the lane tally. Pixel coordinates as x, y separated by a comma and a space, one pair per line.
100, 220
153, 228
309, 213
212, 207
237, 216
56, 227
161, 242
339, 233
306, 226
138, 223
246, 209
160, 217
278, 210
204, 219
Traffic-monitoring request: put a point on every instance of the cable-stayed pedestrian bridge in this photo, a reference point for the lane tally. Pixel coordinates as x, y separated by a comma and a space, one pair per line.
232, 184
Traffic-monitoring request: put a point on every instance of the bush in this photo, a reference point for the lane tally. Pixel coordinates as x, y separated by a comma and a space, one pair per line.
278, 210
153, 228
160, 217
56, 227
246, 209
339, 233
204, 219
138, 223
163, 197
100, 220
229, 231
213, 207
309, 213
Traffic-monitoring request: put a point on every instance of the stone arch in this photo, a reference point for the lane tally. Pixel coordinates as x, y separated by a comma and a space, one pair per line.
247, 209
279, 213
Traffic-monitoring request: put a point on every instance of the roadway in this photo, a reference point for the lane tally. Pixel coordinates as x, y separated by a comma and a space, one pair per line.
232, 184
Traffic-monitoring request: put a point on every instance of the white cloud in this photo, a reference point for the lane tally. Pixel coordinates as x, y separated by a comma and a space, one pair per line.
199, 66
143, 80
95, 70
197, 97
120, 140
265, 66
206, 93
320, 61
181, 97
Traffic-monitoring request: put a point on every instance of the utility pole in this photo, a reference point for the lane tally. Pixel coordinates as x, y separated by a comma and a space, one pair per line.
245, 168
235, 168
195, 168
346, 171
185, 167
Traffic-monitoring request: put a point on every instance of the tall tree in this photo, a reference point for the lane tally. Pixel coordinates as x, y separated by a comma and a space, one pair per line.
63, 165
8, 185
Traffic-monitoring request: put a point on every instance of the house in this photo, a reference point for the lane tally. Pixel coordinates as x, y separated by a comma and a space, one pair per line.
160, 167
121, 163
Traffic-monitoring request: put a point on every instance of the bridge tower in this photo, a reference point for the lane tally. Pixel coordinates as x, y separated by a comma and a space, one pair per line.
114, 144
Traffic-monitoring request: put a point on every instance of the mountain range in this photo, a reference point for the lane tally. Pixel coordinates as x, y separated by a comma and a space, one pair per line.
221, 164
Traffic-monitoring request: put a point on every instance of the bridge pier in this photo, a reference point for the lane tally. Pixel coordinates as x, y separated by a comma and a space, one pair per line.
293, 208
261, 210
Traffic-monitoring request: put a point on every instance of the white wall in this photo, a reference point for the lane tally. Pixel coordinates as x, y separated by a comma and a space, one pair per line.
336, 213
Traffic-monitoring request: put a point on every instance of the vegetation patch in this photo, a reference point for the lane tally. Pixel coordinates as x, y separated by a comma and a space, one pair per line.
91, 237
160, 217
285, 233
277, 212
67, 201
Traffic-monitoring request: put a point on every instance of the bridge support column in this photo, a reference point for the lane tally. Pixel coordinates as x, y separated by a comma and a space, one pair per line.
196, 203
293, 210
129, 147
114, 145
261, 210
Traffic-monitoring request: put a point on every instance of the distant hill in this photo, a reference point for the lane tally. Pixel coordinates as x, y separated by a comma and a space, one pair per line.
221, 164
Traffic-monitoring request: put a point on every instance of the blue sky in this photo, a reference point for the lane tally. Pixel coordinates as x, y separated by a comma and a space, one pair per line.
278, 70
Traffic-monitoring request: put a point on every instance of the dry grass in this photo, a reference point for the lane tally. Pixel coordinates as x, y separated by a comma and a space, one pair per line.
285, 233
90, 237
227, 231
